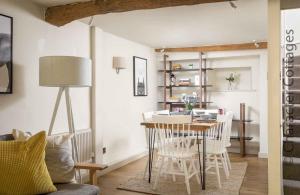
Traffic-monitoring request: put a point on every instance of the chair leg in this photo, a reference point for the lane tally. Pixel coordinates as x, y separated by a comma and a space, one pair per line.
225, 166
159, 173
172, 167
217, 171
228, 159
186, 175
196, 171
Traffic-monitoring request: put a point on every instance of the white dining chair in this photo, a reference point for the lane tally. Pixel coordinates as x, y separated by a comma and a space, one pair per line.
215, 148
147, 117
175, 148
228, 143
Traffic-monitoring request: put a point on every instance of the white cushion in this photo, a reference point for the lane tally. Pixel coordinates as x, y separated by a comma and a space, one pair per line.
58, 157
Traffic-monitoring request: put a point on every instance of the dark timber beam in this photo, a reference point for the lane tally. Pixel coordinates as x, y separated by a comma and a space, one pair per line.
290, 4
231, 47
63, 14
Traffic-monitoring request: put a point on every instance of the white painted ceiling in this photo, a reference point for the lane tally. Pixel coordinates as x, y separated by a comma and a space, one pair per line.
205, 24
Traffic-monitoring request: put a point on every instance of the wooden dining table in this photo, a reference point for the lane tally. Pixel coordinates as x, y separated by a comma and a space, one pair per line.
194, 126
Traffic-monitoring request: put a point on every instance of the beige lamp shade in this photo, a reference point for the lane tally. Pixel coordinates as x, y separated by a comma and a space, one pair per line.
65, 71
119, 63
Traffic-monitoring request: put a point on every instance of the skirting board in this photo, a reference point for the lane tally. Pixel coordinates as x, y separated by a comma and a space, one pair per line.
122, 163
252, 147
114, 166
262, 155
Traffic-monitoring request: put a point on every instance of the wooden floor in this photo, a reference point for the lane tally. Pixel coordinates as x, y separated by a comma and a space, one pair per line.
255, 181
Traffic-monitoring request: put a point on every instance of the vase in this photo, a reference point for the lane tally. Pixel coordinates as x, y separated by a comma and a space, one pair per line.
229, 86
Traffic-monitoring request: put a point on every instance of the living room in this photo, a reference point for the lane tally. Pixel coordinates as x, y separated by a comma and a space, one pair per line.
191, 55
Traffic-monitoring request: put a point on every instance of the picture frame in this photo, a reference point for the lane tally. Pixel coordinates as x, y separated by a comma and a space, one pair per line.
140, 76
6, 54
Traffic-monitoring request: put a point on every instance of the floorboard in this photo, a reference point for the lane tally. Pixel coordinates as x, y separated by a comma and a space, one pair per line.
255, 181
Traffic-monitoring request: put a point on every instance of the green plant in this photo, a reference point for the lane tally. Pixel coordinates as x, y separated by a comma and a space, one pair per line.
189, 106
231, 78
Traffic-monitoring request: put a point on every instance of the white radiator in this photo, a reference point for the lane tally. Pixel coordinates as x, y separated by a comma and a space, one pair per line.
84, 144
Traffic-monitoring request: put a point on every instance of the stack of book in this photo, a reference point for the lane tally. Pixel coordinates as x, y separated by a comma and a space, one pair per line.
184, 82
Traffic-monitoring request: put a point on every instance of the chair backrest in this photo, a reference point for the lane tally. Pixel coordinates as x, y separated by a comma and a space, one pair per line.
174, 119
229, 126
147, 116
174, 134
218, 134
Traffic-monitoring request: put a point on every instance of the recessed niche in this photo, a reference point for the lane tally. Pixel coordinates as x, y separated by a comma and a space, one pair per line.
242, 79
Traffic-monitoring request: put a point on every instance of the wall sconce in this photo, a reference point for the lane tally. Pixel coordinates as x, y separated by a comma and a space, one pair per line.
119, 63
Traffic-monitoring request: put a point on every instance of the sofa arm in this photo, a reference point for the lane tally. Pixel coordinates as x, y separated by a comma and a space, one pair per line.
93, 168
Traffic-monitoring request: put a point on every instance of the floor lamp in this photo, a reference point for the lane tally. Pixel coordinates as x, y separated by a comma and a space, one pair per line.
65, 72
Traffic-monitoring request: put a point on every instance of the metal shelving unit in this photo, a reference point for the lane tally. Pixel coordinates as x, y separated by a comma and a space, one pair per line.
201, 89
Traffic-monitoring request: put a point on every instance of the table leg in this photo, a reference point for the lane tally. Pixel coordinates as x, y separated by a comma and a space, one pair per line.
199, 158
204, 162
149, 158
151, 152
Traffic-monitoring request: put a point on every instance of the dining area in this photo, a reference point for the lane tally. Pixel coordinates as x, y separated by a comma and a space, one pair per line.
187, 154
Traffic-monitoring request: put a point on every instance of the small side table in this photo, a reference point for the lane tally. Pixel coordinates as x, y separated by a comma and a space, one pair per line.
242, 129
93, 168
242, 124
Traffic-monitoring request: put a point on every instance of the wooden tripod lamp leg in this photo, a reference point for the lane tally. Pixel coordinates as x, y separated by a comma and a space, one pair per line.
58, 98
72, 128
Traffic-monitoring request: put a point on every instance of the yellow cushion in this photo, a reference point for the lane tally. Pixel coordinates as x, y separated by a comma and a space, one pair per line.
22, 167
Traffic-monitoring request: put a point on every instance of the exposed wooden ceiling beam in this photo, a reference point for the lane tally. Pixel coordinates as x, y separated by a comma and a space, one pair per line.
231, 47
290, 4
61, 15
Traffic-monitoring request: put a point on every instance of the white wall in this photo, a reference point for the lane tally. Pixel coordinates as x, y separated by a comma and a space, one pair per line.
30, 106
119, 113
116, 112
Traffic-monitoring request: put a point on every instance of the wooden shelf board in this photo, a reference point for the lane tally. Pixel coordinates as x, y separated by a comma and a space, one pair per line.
186, 70
182, 102
245, 121
238, 138
186, 86
230, 91
180, 60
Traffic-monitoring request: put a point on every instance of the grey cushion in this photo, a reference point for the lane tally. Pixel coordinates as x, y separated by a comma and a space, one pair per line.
7, 137
76, 189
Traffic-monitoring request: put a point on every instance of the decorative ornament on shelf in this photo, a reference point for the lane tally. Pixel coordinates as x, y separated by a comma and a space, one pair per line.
233, 78
176, 66
173, 79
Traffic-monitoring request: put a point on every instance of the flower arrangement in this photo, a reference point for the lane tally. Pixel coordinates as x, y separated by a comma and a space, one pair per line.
231, 79
190, 100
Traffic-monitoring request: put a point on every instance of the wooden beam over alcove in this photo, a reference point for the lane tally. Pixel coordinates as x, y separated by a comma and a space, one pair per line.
209, 48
